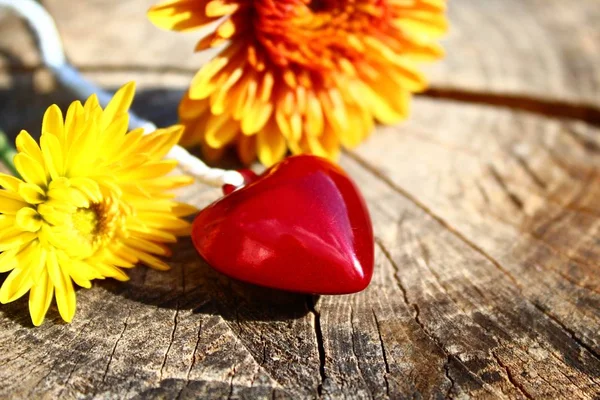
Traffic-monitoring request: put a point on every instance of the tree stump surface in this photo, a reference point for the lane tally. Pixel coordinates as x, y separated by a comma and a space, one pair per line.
485, 209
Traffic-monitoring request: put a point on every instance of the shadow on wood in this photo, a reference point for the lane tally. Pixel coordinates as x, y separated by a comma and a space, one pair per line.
193, 285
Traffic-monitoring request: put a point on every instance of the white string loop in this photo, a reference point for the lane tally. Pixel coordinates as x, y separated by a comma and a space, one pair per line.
53, 56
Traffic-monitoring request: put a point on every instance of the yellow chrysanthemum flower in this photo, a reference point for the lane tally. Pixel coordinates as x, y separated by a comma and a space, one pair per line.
304, 75
93, 199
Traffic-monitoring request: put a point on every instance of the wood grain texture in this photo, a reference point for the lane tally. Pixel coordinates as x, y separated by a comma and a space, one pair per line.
542, 49
485, 212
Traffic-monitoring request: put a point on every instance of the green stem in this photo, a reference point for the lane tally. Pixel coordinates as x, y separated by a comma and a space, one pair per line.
7, 153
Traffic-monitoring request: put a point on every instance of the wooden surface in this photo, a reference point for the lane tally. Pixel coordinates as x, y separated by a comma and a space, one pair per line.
485, 207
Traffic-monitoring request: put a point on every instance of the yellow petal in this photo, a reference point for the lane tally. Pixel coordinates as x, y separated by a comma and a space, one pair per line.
150, 260
147, 246
26, 144
9, 182
52, 215
220, 8
153, 235
218, 99
381, 109
53, 122
74, 122
13, 237
91, 106
422, 24
256, 117
31, 170
16, 285
53, 155
313, 123
190, 108
183, 209
220, 131
160, 142
271, 145
28, 219
10, 202
180, 15
64, 292
88, 187
149, 171
40, 298
110, 271
31, 193
327, 146
79, 272
119, 104
8, 260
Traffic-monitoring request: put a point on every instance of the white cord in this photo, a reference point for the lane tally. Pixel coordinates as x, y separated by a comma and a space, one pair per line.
53, 56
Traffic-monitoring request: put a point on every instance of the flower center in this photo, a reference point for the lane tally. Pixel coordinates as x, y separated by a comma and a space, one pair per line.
317, 34
85, 221
97, 224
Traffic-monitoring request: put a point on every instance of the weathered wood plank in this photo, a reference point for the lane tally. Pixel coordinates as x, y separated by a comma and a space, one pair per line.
534, 259
543, 49
464, 301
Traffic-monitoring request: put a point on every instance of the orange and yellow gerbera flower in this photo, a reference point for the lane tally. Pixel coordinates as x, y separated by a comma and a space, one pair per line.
304, 75
93, 199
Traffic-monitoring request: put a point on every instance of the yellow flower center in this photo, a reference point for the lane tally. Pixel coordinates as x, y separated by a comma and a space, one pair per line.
85, 221
97, 224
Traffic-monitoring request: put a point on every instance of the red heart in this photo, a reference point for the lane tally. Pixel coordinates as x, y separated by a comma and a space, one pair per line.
301, 226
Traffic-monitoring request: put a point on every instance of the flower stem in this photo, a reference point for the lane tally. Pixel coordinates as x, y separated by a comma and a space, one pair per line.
7, 153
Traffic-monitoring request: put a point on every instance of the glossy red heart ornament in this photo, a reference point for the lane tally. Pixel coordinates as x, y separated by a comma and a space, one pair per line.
301, 226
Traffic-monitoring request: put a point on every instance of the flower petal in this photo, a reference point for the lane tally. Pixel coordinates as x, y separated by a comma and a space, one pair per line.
180, 15
31, 169
16, 285
118, 105
28, 219
64, 292
40, 297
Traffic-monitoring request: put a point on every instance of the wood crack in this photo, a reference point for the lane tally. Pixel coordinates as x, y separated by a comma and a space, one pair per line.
511, 378
547, 107
171, 340
514, 199
449, 377
310, 302
595, 380
114, 349
535, 178
390, 259
571, 333
416, 317
192, 362
586, 143
384, 354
